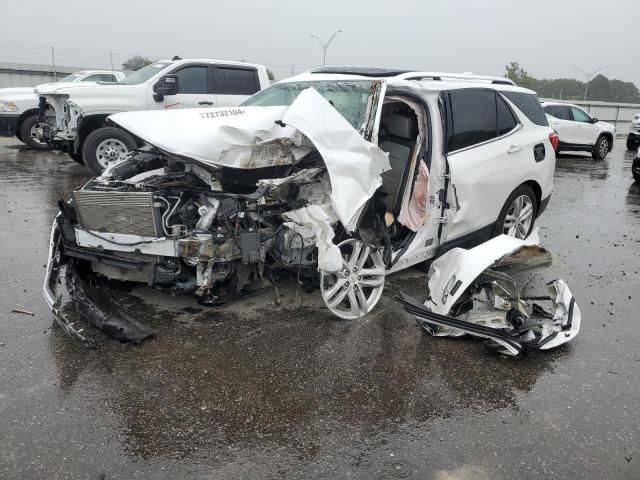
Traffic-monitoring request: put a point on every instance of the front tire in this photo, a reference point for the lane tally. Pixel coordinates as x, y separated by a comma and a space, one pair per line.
106, 146
601, 148
28, 133
518, 214
633, 142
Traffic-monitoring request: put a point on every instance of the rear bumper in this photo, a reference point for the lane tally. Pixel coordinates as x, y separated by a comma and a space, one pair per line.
8, 125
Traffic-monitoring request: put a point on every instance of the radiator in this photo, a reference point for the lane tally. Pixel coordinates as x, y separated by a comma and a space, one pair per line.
132, 213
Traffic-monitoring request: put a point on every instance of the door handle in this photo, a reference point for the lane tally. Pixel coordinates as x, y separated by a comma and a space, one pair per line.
204, 102
514, 149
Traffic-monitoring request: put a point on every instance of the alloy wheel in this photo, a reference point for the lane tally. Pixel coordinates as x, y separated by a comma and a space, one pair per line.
355, 290
519, 217
604, 147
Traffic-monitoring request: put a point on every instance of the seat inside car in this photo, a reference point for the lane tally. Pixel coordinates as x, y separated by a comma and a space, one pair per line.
398, 139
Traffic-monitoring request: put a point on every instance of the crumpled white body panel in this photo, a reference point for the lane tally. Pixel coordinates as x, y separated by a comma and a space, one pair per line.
237, 137
249, 137
319, 219
465, 266
563, 315
354, 164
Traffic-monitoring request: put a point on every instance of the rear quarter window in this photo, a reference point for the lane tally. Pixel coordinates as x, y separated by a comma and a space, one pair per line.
235, 81
528, 104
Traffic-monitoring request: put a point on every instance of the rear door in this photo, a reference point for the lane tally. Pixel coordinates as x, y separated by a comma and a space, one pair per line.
489, 154
234, 84
194, 88
562, 122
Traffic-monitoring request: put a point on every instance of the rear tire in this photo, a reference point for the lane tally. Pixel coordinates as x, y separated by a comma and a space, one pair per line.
519, 213
601, 148
105, 146
633, 143
27, 133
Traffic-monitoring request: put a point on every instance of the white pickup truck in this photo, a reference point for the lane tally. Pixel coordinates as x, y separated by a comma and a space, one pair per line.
19, 106
76, 117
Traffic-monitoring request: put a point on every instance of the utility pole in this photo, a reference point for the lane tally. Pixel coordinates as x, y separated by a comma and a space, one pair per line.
53, 61
589, 77
111, 58
325, 46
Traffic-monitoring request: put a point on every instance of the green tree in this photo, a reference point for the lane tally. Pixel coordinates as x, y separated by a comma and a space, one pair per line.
599, 88
520, 76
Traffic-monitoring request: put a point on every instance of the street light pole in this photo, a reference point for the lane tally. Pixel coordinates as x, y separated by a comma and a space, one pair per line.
325, 46
589, 76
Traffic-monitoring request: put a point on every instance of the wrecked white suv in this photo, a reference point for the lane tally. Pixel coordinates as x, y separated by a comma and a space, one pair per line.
339, 175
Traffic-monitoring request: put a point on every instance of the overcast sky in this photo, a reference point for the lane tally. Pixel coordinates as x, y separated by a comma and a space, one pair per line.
547, 37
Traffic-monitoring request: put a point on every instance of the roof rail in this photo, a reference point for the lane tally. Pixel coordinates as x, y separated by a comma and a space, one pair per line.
454, 76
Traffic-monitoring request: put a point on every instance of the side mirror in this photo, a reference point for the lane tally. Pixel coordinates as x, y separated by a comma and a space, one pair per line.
167, 85
594, 120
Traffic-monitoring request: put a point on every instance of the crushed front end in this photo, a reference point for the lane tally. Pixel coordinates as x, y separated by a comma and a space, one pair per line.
166, 223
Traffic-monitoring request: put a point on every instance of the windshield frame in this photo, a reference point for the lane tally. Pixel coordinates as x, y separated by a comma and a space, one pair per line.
367, 85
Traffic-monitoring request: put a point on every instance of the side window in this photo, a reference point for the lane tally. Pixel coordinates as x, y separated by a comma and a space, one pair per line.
562, 113
549, 110
192, 80
528, 104
235, 81
474, 118
506, 120
580, 115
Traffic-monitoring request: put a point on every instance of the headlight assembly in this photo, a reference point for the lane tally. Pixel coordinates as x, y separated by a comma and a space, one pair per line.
8, 106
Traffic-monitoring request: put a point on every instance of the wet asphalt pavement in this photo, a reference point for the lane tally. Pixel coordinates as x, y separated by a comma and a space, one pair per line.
253, 390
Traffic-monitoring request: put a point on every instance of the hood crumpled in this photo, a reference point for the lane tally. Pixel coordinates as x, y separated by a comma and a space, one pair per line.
259, 137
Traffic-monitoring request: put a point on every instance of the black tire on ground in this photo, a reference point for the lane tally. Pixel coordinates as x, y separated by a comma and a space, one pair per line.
76, 157
601, 148
521, 190
633, 143
25, 133
104, 146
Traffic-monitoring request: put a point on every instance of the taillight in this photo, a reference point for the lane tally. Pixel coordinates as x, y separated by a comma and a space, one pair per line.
555, 141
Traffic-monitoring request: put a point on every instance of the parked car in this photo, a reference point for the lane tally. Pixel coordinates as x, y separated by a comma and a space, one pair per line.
340, 175
633, 138
19, 106
578, 131
76, 116
635, 167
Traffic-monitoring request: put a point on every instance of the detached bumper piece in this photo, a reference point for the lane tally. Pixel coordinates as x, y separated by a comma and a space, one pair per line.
470, 293
510, 332
119, 327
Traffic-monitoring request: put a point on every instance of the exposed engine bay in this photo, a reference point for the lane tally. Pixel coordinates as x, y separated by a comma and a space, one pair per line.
158, 220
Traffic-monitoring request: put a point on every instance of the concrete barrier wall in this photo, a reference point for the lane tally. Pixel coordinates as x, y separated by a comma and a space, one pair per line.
619, 114
28, 75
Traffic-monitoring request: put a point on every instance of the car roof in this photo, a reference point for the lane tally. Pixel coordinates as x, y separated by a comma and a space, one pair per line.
211, 60
432, 81
564, 104
98, 71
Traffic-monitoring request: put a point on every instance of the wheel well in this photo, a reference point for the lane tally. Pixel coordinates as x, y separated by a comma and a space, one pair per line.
88, 125
537, 190
609, 137
21, 118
